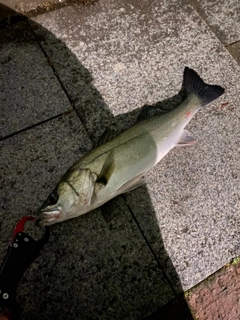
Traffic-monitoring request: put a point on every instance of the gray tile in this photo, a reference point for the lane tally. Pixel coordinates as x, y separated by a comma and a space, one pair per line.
43, 153
95, 38
222, 16
90, 268
135, 53
29, 91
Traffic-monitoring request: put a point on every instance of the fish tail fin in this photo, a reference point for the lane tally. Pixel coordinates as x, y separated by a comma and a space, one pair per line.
192, 83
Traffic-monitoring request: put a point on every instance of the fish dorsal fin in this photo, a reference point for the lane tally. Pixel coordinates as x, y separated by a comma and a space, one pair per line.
186, 139
162, 107
132, 184
107, 169
149, 112
107, 135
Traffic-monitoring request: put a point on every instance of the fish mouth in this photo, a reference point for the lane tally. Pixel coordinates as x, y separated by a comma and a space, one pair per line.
49, 216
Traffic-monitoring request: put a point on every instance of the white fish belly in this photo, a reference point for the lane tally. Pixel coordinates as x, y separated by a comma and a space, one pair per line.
164, 146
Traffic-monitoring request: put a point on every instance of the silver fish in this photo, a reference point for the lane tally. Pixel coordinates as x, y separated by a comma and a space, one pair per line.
119, 164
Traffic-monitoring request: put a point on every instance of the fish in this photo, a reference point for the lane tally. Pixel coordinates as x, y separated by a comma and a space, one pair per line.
121, 161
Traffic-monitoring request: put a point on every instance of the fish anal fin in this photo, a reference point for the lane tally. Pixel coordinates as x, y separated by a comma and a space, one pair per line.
107, 169
132, 184
186, 139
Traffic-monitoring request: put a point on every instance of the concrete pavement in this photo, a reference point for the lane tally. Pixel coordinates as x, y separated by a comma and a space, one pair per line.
66, 76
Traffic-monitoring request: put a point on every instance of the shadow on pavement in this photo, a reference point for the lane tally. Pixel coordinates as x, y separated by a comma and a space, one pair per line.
41, 291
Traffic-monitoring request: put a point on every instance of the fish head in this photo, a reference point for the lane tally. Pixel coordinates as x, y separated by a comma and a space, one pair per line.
70, 198
58, 205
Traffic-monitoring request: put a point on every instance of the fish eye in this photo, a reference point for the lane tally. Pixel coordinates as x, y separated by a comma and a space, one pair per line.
53, 198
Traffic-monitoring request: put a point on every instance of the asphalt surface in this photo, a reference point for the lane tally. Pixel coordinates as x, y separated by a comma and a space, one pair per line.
67, 75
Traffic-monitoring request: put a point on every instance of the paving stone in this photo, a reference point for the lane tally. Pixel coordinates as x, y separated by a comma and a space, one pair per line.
135, 53
90, 269
29, 90
42, 153
223, 18
218, 296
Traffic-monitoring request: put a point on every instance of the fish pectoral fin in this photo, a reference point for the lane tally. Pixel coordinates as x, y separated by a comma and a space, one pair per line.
107, 136
186, 139
132, 184
107, 169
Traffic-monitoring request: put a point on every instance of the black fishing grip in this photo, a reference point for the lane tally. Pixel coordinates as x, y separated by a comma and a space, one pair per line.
22, 251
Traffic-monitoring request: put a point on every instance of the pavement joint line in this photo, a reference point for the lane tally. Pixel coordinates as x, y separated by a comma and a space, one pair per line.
152, 252
196, 6
232, 43
59, 80
34, 125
